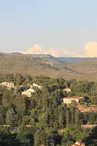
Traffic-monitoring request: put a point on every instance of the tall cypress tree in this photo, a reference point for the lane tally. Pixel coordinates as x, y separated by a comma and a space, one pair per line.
67, 117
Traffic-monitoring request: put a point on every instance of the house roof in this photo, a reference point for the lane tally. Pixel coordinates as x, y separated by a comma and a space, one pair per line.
67, 89
76, 97
79, 144
31, 90
84, 108
88, 126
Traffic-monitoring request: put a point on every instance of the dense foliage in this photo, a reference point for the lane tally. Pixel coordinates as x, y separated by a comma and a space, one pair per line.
43, 119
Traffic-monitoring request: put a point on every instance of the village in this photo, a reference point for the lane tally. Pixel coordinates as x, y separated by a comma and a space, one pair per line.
78, 101
29, 92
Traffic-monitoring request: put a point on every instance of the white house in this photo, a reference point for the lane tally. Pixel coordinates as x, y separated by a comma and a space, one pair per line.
77, 98
37, 86
67, 90
7, 84
29, 92
69, 100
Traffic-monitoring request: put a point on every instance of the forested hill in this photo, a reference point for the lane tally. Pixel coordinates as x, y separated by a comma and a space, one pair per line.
66, 67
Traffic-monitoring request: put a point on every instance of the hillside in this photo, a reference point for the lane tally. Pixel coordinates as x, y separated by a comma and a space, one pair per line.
68, 68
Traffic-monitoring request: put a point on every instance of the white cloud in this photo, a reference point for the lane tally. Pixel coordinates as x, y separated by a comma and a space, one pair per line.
36, 49
90, 49
52, 52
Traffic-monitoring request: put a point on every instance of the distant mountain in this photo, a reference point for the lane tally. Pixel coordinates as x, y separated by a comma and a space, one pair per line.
41, 55
74, 59
40, 64
16, 53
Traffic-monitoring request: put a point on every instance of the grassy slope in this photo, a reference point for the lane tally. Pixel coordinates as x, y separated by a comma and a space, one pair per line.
16, 63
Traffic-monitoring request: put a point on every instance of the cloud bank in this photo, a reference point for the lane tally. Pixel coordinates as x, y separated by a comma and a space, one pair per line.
90, 50
37, 49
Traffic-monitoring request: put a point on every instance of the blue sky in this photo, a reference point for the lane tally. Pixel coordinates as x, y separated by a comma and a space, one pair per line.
60, 24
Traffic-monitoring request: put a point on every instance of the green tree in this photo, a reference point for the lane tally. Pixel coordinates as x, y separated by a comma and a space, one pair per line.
67, 117
40, 137
77, 117
23, 140
10, 117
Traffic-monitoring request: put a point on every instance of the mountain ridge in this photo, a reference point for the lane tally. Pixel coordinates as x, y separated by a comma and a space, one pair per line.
66, 67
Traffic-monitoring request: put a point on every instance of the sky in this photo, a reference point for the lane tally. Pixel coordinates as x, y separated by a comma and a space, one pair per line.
57, 27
